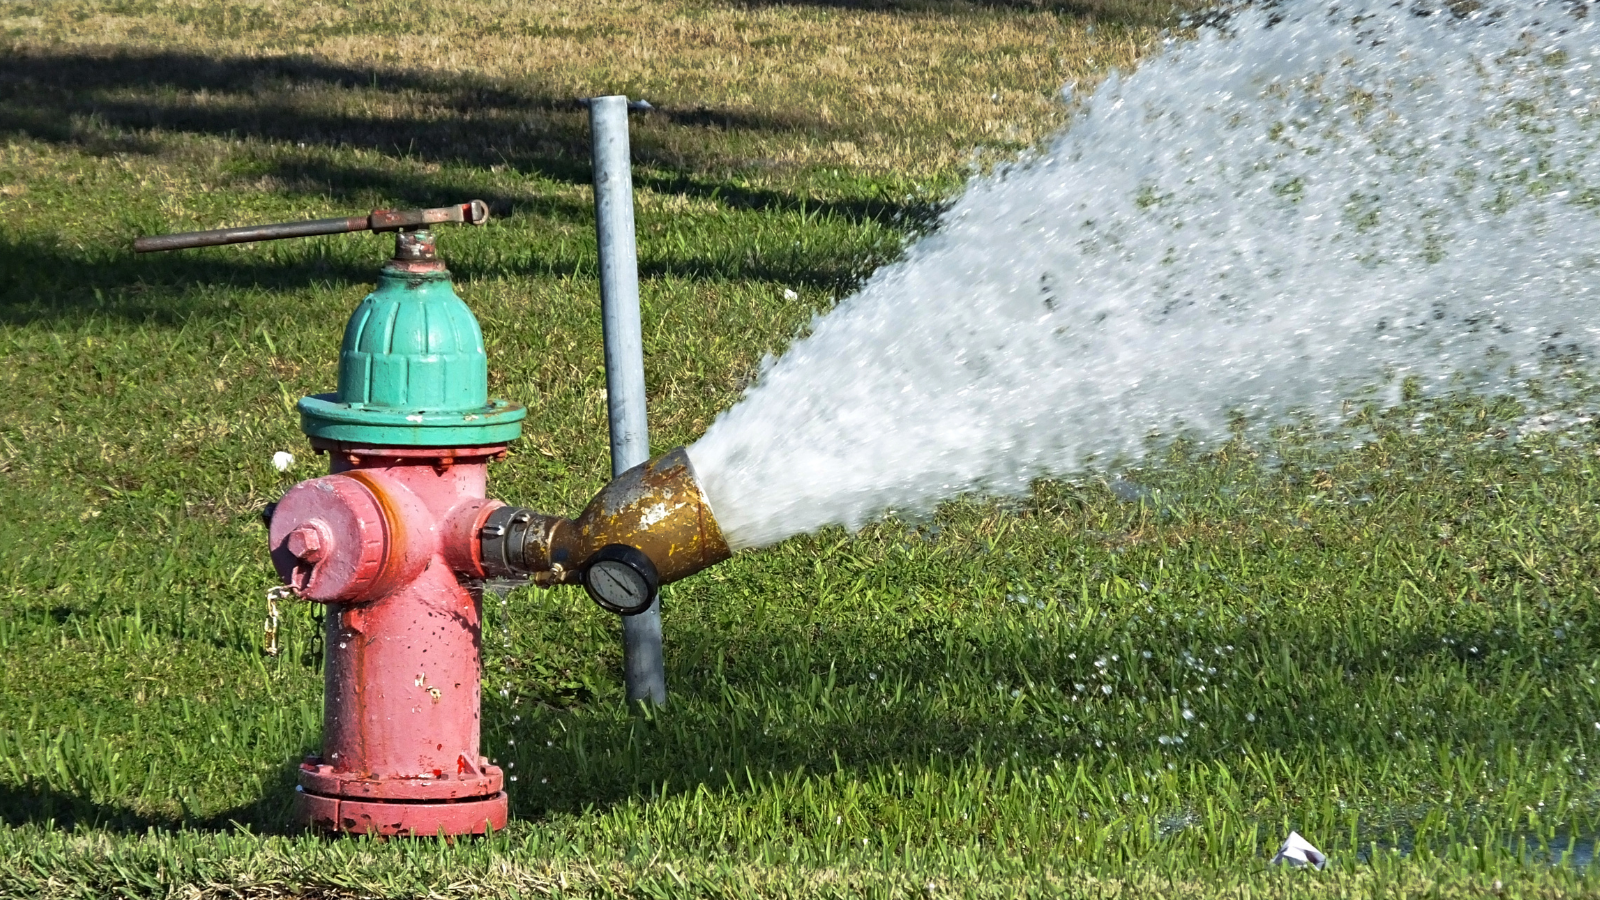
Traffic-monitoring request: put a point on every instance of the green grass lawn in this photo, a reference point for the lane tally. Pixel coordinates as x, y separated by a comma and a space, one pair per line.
1127, 686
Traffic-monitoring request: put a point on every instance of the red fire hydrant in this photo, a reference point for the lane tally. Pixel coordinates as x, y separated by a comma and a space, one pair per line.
398, 538
389, 541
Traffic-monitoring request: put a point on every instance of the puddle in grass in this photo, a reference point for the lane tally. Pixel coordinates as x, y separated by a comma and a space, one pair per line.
1574, 851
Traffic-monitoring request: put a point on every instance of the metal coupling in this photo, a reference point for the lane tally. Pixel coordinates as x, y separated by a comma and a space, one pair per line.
514, 542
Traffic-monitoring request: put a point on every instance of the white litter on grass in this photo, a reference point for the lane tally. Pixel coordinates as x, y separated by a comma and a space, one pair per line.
282, 460
1297, 852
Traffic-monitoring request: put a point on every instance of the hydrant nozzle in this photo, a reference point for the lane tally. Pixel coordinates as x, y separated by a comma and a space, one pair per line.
657, 510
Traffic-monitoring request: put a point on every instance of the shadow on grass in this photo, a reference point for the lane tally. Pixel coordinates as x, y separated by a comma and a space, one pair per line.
119, 101
1127, 13
109, 102
46, 281
916, 213
36, 804
436, 140
42, 282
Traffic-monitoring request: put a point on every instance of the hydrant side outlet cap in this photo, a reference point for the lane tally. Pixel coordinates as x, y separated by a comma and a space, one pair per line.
329, 538
412, 372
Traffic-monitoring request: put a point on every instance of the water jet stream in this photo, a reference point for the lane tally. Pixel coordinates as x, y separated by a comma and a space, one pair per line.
1295, 205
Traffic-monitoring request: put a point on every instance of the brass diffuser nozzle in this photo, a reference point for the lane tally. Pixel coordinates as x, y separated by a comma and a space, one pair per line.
651, 521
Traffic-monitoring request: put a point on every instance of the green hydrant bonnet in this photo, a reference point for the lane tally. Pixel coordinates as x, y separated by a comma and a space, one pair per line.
412, 372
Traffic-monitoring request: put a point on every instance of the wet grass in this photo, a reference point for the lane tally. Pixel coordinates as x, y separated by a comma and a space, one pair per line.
1117, 686
1136, 686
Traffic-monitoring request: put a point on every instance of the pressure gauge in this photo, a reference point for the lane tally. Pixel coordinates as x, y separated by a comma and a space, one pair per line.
622, 579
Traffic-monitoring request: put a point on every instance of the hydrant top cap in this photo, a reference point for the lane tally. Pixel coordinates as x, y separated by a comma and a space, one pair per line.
412, 372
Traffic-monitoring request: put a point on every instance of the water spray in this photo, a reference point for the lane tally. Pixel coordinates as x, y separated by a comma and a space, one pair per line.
1305, 203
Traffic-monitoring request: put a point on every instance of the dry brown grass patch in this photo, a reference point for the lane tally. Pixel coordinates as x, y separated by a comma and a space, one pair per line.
884, 90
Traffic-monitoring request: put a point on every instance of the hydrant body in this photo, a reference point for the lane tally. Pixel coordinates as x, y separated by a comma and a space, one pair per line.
389, 540
399, 536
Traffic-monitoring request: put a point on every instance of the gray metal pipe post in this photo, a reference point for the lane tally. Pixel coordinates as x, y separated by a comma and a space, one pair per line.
644, 673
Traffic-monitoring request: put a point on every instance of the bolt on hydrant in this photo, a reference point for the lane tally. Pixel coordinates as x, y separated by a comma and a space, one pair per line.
398, 538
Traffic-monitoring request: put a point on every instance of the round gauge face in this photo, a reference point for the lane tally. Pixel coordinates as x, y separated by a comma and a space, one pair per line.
622, 579
618, 584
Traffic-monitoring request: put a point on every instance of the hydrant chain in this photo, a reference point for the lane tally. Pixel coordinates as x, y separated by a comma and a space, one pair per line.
274, 594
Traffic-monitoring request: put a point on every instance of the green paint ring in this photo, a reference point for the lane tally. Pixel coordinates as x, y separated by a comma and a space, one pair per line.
323, 416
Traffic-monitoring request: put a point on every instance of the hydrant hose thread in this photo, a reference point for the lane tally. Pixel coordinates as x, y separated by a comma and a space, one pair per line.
656, 510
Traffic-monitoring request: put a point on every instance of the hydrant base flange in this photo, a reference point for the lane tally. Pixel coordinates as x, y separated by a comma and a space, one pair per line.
420, 819
472, 783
